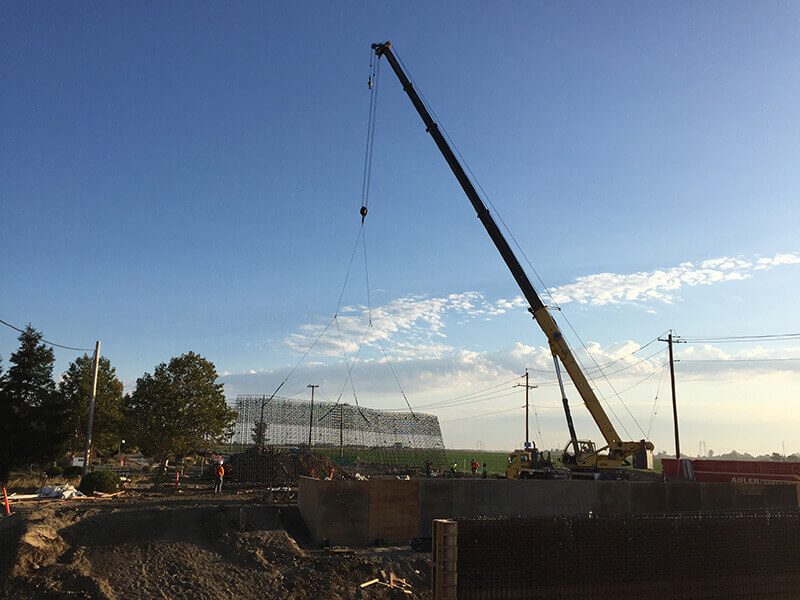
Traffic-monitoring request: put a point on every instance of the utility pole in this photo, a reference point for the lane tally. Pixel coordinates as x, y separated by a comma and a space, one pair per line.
341, 431
527, 387
87, 453
670, 341
260, 426
311, 421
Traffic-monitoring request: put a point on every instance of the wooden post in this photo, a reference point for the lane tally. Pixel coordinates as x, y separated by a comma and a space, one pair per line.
527, 387
674, 340
445, 560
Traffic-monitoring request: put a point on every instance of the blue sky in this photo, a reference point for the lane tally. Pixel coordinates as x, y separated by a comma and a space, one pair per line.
187, 177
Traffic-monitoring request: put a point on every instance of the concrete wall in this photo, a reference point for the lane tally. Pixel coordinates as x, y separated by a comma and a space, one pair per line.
360, 512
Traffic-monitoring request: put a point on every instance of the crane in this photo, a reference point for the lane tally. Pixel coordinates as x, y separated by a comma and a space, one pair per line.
579, 455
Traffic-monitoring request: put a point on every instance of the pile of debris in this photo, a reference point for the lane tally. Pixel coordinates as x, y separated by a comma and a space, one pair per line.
279, 466
64, 492
391, 581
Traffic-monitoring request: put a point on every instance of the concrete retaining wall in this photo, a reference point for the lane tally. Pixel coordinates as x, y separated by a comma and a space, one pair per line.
360, 512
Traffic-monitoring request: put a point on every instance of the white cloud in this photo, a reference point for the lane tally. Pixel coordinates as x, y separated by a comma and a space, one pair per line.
660, 285
788, 258
414, 327
415, 324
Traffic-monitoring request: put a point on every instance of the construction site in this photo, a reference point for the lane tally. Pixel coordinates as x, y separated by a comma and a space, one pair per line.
269, 496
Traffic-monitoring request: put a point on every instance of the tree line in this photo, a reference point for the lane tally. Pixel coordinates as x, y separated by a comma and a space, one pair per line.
177, 409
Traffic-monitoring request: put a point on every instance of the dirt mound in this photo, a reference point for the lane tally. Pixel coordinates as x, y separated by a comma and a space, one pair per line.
271, 548
29, 544
172, 547
279, 467
40, 545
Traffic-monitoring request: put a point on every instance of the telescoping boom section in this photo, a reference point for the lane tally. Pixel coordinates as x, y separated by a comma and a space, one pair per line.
583, 455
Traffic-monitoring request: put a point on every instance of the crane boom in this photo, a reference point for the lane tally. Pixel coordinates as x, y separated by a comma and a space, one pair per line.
558, 345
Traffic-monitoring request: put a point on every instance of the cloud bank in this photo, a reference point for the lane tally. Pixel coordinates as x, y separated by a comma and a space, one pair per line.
662, 285
475, 383
414, 327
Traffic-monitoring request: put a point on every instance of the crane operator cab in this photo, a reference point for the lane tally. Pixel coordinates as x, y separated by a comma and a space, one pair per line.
571, 455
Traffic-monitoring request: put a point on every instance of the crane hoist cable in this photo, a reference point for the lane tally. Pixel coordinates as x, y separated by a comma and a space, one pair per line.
655, 400
372, 83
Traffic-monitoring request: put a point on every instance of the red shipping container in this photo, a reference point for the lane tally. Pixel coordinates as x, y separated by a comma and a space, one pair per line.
737, 471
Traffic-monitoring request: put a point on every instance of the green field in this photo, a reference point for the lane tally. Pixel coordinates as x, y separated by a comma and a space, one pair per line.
495, 461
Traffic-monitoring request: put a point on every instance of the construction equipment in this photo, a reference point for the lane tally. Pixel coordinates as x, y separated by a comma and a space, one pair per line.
531, 463
579, 455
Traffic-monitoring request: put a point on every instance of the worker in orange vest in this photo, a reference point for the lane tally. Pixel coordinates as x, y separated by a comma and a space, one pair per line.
219, 475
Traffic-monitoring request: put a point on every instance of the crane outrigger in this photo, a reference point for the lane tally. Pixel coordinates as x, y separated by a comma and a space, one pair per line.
579, 455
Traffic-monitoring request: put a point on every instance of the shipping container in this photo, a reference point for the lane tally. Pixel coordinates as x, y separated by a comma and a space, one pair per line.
733, 471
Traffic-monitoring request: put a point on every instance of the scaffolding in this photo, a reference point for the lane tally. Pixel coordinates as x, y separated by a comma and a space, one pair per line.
348, 434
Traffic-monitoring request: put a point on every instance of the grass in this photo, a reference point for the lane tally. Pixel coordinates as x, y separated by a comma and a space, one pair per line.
495, 461
388, 456
27, 482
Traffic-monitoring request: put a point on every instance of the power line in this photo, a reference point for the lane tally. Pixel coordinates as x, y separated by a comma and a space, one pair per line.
730, 360
621, 358
492, 392
743, 338
479, 399
609, 363
638, 383
655, 400
467, 395
15, 328
497, 412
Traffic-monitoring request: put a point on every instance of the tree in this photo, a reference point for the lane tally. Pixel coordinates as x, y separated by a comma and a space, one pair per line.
259, 433
76, 389
7, 431
179, 408
33, 424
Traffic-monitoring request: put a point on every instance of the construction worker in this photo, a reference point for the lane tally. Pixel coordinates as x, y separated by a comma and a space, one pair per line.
453, 468
474, 467
219, 475
484, 471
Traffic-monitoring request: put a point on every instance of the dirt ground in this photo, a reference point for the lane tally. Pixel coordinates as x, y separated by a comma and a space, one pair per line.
196, 545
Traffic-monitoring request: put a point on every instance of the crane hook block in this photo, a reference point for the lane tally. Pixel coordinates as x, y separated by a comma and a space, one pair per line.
363, 212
